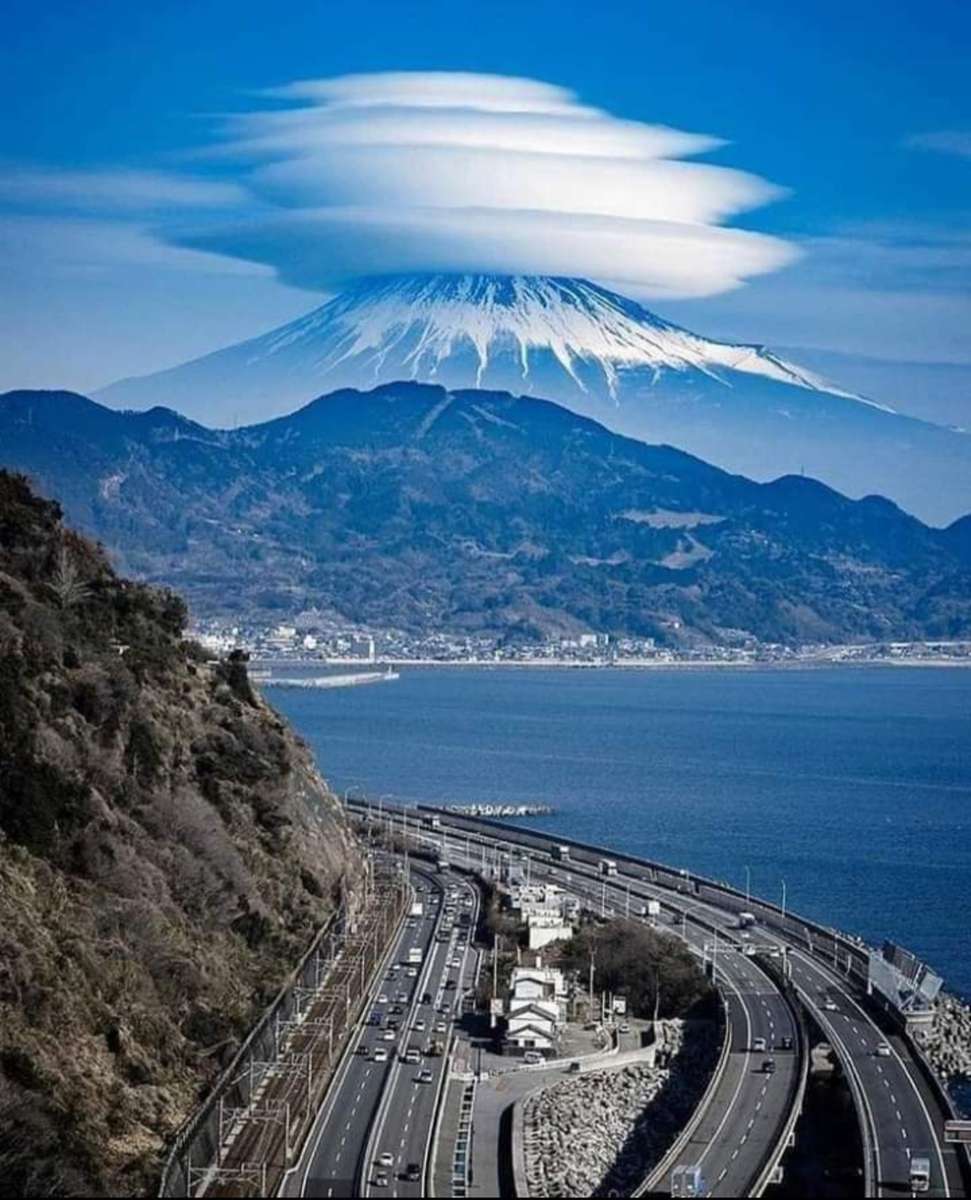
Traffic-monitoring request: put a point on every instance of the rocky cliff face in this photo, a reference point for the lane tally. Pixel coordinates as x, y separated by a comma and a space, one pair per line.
167, 851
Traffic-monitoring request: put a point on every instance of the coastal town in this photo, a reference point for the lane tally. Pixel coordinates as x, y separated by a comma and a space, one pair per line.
309, 639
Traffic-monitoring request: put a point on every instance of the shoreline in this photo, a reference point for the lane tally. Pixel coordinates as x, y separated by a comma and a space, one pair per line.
628, 665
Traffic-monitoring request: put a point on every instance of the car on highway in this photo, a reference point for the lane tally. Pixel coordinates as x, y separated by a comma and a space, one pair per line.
385, 1159
419, 1026
785, 1043
829, 1005
768, 1066
883, 1050
456, 961
413, 1172
383, 998
413, 1056
380, 1179
412, 973
450, 984
441, 1027
361, 1048
380, 1054
532, 1058
426, 997
386, 1035
402, 998
424, 1076
624, 1028
758, 1044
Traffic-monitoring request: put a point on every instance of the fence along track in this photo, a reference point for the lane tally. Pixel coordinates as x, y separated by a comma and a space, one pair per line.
240, 1142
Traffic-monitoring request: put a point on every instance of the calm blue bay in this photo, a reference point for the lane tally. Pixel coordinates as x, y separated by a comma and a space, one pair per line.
852, 785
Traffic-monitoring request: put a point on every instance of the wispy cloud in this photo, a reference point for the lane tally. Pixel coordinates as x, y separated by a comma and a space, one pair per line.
374, 174
944, 141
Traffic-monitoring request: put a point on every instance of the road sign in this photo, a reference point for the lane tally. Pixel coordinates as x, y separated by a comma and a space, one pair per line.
957, 1131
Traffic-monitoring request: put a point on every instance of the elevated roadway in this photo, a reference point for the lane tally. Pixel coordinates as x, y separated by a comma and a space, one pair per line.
898, 1112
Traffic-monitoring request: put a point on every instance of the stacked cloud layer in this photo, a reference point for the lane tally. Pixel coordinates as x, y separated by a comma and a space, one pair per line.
426, 171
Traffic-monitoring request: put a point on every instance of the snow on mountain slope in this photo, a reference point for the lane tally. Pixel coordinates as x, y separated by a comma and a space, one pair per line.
574, 320
595, 351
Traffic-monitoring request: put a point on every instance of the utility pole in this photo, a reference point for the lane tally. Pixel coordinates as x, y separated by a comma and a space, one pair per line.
603, 900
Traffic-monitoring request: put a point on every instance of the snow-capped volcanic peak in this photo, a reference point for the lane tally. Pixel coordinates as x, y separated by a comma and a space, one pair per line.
422, 321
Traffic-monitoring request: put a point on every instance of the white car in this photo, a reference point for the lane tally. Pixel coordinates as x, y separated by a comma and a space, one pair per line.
441, 1027
419, 1026
385, 1159
829, 1006
386, 1035
759, 1044
383, 998
883, 1050
380, 1054
412, 973
456, 962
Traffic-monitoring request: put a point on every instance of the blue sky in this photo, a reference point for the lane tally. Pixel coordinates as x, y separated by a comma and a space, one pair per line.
861, 113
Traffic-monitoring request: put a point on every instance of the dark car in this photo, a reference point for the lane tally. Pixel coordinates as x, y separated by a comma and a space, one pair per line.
768, 1066
426, 997
413, 1172
785, 1043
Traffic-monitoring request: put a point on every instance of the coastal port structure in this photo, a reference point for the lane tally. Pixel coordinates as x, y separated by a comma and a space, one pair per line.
901, 1107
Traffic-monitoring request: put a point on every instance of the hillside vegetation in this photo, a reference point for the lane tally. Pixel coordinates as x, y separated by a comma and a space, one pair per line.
166, 853
417, 508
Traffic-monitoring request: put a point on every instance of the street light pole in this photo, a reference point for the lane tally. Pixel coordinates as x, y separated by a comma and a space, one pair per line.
748, 885
783, 900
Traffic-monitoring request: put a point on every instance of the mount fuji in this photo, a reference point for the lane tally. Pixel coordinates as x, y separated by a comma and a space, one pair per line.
599, 353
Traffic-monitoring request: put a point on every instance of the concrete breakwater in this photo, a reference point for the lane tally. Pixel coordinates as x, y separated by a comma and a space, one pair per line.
499, 810
328, 681
949, 1043
599, 1133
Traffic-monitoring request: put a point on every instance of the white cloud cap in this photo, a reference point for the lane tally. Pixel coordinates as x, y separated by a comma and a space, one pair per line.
439, 171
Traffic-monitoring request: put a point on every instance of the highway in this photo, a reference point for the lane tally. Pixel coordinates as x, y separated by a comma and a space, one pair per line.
379, 1104
745, 1118
898, 1114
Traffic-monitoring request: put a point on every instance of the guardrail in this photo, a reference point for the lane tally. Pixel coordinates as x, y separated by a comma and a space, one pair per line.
670, 1160
775, 1156
948, 1107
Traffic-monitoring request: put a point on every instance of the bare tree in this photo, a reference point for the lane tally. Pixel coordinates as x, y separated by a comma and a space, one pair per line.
67, 582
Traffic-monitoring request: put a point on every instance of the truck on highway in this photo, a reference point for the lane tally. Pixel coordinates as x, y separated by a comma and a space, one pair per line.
608, 866
417, 909
561, 853
746, 920
414, 955
920, 1173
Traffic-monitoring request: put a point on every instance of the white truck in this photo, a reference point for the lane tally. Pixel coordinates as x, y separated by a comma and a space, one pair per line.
417, 909
608, 866
920, 1173
687, 1181
414, 956
561, 853
746, 920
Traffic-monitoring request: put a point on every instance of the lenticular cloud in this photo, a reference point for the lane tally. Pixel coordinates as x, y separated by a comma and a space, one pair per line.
425, 171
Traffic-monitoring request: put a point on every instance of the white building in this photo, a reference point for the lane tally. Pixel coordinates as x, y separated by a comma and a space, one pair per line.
546, 929
536, 1007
